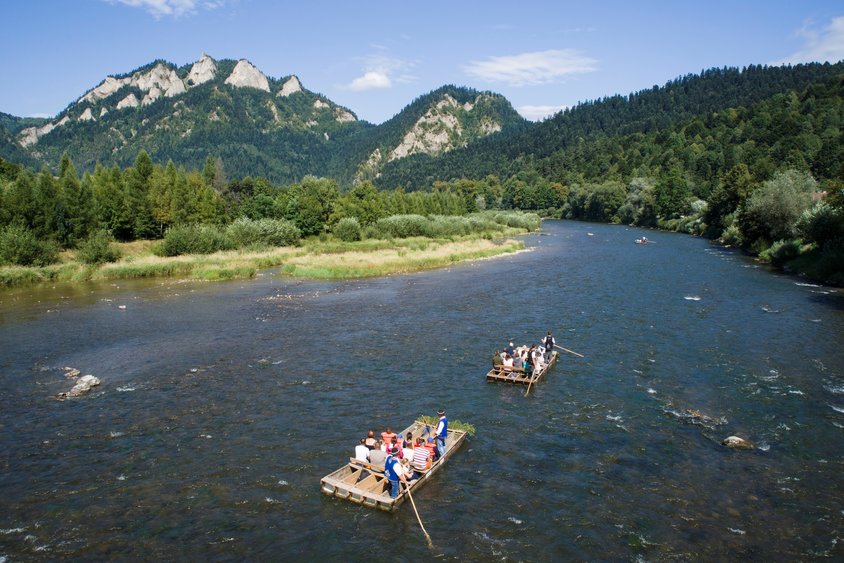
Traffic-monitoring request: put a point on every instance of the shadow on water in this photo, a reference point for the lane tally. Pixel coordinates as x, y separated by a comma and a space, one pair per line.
833, 298
222, 405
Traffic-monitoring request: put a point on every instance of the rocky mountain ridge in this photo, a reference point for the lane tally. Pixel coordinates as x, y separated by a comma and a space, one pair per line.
163, 80
259, 125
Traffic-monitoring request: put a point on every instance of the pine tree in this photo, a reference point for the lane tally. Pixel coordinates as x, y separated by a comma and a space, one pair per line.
78, 203
47, 200
111, 202
136, 181
20, 202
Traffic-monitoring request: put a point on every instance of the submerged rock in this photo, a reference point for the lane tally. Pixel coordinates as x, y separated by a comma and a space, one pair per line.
737, 443
85, 383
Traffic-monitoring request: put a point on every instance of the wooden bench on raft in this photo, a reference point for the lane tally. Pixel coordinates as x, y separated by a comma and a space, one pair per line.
514, 371
366, 464
380, 468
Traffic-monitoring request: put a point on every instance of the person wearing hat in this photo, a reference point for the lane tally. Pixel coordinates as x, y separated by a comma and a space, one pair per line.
441, 433
394, 472
510, 349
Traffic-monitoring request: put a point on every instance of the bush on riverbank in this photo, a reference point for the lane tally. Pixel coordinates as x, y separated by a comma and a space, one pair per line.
99, 248
347, 229
192, 239
243, 233
246, 233
438, 226
20, 247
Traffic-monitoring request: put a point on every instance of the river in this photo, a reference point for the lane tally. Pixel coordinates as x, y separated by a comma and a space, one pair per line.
223, 404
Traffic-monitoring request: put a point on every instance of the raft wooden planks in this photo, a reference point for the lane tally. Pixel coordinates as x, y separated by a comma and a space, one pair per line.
361, 484
512, 375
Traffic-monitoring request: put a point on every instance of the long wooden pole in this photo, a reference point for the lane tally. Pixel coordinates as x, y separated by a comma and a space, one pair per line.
407, 488
569, 351
529, 384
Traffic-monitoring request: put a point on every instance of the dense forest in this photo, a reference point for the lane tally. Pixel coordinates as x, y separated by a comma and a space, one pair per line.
753, 158
41, 213
648, 111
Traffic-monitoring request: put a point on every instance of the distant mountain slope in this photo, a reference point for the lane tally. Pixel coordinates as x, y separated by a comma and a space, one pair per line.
646, 111
259, 126
10, 149
434, 124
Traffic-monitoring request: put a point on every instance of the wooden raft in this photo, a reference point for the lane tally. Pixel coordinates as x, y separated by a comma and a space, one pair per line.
518, 375
365, 484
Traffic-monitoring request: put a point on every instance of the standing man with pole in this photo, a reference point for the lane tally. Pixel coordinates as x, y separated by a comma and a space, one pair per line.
394, 472
441, 433
549, 343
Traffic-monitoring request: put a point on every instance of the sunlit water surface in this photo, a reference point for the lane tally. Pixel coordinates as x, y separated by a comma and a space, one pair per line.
223, 404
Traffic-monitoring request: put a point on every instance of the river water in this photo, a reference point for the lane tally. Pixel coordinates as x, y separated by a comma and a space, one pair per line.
223, 404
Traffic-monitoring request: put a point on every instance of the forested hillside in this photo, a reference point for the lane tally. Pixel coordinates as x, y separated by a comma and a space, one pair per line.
753, 158
257, 125
647, 111
483, 107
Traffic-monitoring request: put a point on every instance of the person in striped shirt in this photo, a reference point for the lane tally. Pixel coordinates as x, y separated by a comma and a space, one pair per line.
421, 459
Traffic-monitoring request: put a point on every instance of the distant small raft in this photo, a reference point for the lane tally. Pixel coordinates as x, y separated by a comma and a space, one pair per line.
366, 484
518, 375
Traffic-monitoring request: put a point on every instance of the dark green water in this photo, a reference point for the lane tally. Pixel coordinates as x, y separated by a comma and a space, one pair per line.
223, 404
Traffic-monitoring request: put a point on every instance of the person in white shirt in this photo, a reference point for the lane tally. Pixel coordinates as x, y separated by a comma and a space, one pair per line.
539, 360
361, 451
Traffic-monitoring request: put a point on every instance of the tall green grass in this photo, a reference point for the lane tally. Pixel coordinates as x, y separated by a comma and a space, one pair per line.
448, 240
361, 265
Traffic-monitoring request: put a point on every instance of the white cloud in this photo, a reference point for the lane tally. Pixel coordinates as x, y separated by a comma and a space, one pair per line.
820, 46
536, 113
369, 81
174, 8
380, 71
530, 69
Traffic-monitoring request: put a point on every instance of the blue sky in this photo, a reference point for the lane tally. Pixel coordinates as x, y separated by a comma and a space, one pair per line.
375, 57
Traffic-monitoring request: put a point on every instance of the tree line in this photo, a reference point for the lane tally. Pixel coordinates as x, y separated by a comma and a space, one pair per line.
48, 212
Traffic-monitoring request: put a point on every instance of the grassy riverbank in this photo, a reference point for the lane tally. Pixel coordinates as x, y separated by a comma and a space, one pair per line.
314, 258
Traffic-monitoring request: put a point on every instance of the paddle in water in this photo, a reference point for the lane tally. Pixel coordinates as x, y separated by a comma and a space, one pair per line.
424, 531
569, 351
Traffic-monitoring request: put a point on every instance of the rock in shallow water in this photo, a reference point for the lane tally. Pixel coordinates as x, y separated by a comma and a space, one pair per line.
85, 383
737, 443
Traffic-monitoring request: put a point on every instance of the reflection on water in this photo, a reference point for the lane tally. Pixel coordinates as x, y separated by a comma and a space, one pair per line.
222, 405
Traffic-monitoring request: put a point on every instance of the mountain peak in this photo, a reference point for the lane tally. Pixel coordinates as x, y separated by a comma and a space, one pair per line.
203, 70
291, 86
172, 111
159, 80
246, 75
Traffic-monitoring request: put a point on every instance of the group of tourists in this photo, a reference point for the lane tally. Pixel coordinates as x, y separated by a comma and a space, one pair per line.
404, 458
532, 359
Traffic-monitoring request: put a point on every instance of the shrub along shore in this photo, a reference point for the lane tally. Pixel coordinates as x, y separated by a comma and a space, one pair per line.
398, 244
